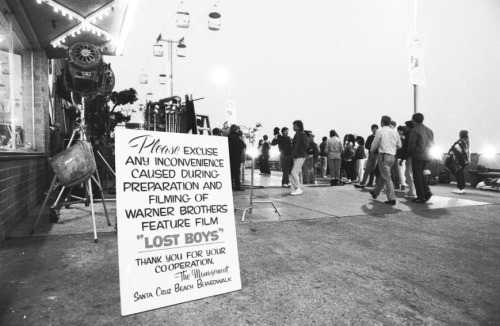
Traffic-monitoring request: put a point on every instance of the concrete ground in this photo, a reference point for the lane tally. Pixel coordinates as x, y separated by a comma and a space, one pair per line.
335, 256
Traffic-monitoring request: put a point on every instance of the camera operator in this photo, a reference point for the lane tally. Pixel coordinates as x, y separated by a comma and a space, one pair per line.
284, 143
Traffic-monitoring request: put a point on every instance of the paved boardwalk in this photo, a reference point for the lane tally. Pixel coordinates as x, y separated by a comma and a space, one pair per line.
335, 256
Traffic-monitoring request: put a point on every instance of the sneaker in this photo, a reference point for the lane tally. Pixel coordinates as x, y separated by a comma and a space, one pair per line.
374, 196
458, 191
410, 196
428, 196
359, 186
402, 187
297, 192
391, 202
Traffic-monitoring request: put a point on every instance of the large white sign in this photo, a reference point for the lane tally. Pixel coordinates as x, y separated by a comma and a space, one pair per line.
416, 58
176, 227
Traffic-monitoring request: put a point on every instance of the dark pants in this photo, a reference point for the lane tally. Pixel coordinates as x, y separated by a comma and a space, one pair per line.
235, 173
460, 179
264, 164
286, 167
421, 187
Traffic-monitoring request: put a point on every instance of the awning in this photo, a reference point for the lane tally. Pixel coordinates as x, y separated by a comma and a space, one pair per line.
56, 25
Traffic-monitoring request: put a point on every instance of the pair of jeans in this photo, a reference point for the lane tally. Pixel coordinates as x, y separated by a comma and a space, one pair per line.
385, 164
409, 178
323, 160
371, 165
421, 187
286, 166
334, 167
297, 173
460, 179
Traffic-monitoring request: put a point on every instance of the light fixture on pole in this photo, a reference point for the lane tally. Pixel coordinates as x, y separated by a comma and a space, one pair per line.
251, 138
170, 75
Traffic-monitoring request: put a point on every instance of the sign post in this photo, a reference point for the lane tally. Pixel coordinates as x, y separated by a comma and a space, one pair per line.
176, 227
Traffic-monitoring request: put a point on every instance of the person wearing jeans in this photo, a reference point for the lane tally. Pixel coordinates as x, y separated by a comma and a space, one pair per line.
300, 144
385, 143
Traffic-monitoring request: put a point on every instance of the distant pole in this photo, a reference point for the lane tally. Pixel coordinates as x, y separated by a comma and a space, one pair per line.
171, 68
415, 87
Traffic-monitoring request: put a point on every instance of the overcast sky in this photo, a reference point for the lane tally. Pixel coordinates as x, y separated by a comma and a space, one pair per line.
334, 64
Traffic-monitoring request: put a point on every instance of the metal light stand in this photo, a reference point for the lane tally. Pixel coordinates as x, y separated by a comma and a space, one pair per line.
249, 208
88, 183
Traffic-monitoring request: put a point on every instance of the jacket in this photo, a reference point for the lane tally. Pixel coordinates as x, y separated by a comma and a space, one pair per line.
300, 144
420, 143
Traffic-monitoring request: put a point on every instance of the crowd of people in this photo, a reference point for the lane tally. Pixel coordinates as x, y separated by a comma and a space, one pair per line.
393, 158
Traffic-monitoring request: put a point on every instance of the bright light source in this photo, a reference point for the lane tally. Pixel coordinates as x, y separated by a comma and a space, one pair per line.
220, 76
252, 152
436, 152
488, 152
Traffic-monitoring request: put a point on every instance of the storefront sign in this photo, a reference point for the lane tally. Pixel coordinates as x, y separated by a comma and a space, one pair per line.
176, 227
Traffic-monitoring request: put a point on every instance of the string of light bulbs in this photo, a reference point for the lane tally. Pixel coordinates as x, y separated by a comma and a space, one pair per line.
86, 24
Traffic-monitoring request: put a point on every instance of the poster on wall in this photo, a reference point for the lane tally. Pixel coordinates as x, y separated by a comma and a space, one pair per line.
175, 219
416, 58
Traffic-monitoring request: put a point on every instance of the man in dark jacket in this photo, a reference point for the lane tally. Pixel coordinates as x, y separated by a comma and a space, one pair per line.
284, 143
419, 147
236, 146
299, 146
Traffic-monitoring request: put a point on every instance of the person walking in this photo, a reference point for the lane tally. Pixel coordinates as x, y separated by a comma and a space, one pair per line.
284, 143
386, 143
300, 144
459, 159
419, 147
333, 150
322, 156
236, 146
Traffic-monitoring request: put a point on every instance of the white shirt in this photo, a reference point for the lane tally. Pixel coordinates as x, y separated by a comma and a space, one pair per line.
386, 141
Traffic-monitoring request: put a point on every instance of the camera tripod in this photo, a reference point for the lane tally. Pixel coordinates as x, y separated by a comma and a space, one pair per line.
81, 129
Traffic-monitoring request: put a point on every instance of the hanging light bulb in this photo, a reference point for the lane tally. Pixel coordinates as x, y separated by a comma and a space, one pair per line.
181, 50
214, 20
143, 78
158, 50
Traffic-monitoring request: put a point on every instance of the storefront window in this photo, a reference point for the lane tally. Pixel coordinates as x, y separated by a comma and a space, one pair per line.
16, 118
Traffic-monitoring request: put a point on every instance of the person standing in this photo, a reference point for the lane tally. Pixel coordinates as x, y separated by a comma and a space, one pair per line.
459, 153
419, 147
333, 150
407, 161
284, 143
264, 166
300, 144
371, 162
236, 146
359, 158
322, 156
386, 142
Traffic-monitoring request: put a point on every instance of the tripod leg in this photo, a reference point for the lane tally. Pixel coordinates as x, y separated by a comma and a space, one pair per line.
89, 186
44, 203
98, 183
